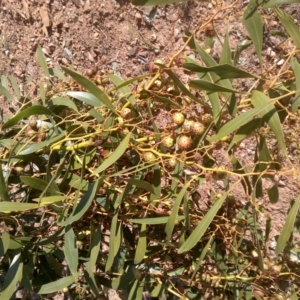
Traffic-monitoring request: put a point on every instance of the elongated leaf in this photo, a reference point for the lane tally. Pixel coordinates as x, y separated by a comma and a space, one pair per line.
15, 86
4, 243
244, 131
142, 184
155, 2
42, 61
253, 23
3, 188
136, 291
182, 87
273, 193
202, 256
171, 221
290, 26
6, 93
83, 205
4, 81
272, 3
141, 246
56, 286
270, 115
114, 156
288, 227
12, 277
209, 86
201, 228
71, 251
8, 207
224, 70
37, 146
237, 122
125, 90
55, 72
38, 184
90, 265
63, 101
85, 97
112, 243
92, 88
33, 110
225, 57
154, 221
50, 199
296, 68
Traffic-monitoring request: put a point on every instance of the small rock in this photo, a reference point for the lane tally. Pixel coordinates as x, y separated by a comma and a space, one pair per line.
138, 16
280, 62
132, 51
64, 61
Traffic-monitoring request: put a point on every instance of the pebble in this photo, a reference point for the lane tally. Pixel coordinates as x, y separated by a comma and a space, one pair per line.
280, 62
138, 16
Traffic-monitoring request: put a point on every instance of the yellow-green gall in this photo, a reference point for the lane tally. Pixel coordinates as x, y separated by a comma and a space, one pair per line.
168, 142
178, 118
149, 157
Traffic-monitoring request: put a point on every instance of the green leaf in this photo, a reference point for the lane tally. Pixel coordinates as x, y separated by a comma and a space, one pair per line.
141, 246
296, 68
125, 90
4, 243
172, 219
37, 146
85, 97
8, 207
33, 110
63, 101
237, 122
155, 2
270, 115
13, 276
272, 3
38, 184
273, 193
92, 88
50, 199
114, 156
83, 205
3, 188
182, 87
90, 265
71, 251
209, 86
287, 227
141, 184
56, 286
223, 71
155, 221
128, 81
55, 72
6, 93
113, 247
42, 61
253, 23
290, 26
15, 86
226, 51
202, 256
136, 291
244, 131
201, 228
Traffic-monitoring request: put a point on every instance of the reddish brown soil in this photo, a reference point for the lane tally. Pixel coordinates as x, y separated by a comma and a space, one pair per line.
94, 33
